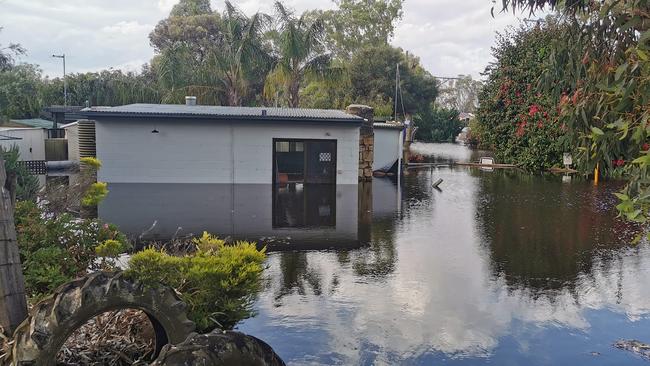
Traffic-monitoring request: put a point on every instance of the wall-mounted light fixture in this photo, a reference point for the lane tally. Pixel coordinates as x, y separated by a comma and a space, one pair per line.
155, 130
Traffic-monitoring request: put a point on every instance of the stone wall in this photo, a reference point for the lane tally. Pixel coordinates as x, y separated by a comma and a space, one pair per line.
366, 139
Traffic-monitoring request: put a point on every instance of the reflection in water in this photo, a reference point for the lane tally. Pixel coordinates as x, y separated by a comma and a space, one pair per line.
305, 216
499, 267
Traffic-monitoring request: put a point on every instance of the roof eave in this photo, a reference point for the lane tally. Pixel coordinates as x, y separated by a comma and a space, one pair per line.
103, 115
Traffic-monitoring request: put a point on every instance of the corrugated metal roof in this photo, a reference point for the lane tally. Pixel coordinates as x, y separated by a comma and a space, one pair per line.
34, 122
220, 112
388, 125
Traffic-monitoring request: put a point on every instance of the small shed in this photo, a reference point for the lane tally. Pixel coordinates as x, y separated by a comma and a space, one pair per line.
387, 145
30, 141
168, 143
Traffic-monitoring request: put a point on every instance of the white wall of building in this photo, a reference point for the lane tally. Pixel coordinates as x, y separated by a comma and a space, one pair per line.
72, 135
386, 148
31, 144
203, 151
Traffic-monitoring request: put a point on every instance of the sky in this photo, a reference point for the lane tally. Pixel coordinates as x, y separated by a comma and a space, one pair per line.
451, 37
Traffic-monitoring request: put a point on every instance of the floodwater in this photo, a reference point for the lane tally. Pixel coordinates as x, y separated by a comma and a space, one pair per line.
497, 267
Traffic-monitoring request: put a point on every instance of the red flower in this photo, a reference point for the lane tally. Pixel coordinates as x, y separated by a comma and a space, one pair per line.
518, 93
533, 110
645, 147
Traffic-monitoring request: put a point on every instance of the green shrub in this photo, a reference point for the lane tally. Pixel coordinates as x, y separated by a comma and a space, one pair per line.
438, 125
26, 184
56, 249
95, 194
218, 282
518, 120
90, 162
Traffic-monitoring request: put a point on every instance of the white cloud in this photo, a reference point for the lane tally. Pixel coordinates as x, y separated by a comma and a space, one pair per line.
128, 27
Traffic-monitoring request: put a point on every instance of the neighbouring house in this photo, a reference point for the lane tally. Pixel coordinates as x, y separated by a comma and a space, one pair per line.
166, 143
387, 147
30, 141
30, 123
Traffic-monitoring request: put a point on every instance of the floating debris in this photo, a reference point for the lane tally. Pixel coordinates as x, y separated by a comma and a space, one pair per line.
634, 346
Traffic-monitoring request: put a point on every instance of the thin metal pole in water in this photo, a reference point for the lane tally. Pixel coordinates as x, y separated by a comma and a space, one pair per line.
396, 88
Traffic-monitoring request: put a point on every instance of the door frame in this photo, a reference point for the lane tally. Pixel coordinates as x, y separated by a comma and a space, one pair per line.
305, 141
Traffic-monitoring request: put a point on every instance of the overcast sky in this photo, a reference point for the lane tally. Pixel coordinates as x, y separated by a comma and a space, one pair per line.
450, 36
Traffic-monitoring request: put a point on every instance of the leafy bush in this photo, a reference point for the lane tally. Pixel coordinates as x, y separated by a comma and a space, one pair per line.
518, 120
218, 281
95, 194
56, 249
26, 184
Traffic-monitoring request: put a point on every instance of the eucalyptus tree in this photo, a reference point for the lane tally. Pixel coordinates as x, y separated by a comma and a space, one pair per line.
8, 53
301, 56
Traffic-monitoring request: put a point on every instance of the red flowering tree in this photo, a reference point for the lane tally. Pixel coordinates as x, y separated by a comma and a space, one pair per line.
517, 120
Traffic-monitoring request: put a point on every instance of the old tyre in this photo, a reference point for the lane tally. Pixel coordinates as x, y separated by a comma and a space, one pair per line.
219, 348
40, 337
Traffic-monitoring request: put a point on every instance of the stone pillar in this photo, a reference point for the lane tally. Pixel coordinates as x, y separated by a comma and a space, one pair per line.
366, 139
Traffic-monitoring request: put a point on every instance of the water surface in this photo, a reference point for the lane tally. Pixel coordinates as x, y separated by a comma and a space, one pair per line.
497, 267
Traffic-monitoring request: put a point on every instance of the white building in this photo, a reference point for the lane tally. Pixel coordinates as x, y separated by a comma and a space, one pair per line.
30, 141
163, 143
387, 145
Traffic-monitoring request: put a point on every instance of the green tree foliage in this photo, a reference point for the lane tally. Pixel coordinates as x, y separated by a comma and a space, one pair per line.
220, 59
19, 91
26, 184
358, 23
198, 32
519, 122
219, 282
606, 105
301, 57
56, 249
106, 87
8, 54
186, 8
438, 125
372, 74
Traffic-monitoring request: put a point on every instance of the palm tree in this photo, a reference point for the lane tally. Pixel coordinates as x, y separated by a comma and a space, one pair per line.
241, 52
233, 60
301, 56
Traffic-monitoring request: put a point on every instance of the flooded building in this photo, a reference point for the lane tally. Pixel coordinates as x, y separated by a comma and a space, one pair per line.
164, 143
388, 149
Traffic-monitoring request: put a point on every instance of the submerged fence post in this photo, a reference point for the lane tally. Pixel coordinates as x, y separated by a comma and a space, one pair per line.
13, 302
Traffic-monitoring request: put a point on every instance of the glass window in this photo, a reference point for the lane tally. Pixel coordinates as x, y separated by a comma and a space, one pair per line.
282, 146
299, 146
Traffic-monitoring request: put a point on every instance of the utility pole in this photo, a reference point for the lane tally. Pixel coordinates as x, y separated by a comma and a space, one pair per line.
65, 83
13, 302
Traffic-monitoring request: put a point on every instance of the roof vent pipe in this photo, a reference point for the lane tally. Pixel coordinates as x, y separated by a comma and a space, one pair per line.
190, 100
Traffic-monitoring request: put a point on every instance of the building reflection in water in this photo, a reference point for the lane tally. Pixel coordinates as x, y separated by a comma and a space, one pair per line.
294, 216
